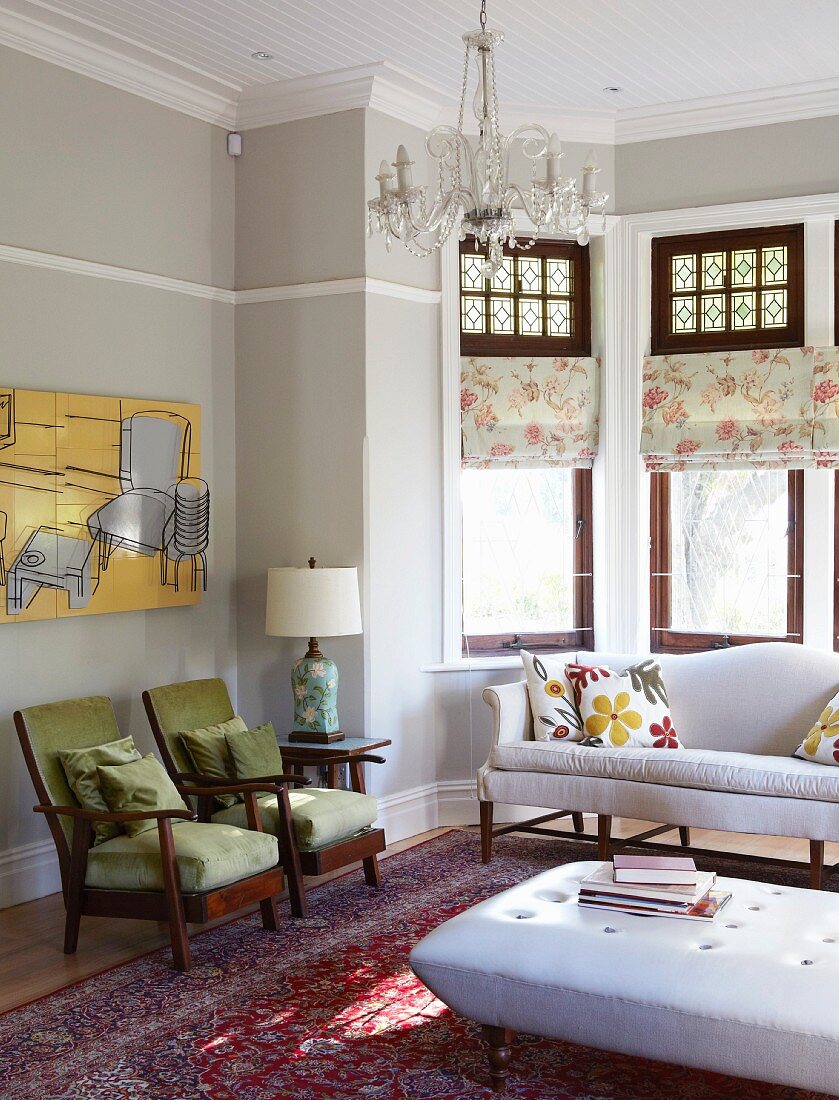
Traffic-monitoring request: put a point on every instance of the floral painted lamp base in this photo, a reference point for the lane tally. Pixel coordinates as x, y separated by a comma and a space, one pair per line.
314, 682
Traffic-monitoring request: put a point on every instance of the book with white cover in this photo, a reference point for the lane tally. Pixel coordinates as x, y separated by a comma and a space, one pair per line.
664, 870
601, 882
704, 910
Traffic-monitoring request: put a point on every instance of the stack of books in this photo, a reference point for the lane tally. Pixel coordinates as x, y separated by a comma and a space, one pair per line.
654, 886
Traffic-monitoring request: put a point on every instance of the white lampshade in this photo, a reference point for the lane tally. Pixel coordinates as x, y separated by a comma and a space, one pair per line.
318, 603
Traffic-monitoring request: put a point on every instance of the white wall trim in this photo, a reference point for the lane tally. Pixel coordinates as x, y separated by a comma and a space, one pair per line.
327, 287
30, 871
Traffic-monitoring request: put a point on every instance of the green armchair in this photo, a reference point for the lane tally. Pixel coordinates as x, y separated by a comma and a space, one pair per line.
194, 872
329, 828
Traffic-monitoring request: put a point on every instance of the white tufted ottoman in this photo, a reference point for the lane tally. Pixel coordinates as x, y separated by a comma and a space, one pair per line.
754, 993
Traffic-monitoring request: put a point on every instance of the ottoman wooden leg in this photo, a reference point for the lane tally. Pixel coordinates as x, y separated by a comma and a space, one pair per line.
816, 864
604, 833
498, 1040
486, 831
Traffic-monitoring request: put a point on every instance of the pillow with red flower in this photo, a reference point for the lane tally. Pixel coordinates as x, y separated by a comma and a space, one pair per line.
556, 716
627, 709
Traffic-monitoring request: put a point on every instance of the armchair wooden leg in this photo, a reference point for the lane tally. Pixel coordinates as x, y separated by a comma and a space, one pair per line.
372, 874
270, 916
577, 822
174, 901
604, 833
684, 836
498, 1040
290, 857
816, 864
486, 831
75, 884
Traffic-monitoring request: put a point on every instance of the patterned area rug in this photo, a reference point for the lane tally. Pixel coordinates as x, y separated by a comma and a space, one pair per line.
327, 1008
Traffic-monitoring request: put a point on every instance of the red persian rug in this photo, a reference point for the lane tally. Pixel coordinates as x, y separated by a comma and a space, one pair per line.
327, 1008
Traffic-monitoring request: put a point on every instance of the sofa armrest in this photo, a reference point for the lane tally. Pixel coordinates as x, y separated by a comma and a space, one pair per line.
511, 718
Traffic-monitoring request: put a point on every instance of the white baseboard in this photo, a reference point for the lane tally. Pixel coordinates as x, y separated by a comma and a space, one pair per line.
30, 871
406, 813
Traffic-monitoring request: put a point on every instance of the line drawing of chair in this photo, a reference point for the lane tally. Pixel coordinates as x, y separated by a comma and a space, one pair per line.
187, 533
154, 457
4, 523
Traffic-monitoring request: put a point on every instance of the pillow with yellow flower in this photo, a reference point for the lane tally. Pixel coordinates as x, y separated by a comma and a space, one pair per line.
821, 745
556, 716
627, 709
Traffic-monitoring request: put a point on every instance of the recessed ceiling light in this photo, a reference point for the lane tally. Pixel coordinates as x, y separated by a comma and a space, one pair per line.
262, 55
613, 89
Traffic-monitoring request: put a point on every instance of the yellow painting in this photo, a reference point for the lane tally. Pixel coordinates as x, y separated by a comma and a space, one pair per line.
102, 507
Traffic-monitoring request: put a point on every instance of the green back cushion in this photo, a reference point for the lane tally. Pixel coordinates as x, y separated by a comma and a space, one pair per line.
80, 768
255, 753
191, 705
142, 785
207, 749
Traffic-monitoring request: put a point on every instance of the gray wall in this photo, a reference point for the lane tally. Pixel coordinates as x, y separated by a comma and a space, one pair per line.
93, 173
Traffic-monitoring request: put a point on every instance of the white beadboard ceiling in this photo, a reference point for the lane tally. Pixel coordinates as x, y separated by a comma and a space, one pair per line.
557, 52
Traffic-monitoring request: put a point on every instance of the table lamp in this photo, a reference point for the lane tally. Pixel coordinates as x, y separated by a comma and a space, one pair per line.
307, 603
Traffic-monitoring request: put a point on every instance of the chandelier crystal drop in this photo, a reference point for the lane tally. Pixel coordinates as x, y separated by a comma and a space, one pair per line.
474, 185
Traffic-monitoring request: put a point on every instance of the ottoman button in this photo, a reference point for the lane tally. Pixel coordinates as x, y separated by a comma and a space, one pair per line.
705, 946
828, 939
754, 908
806, 962
609, 928
732, 926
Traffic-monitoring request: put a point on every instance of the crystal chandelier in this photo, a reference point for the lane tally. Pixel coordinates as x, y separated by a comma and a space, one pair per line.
476, 179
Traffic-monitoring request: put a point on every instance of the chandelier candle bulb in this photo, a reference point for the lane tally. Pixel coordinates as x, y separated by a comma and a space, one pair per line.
402, 164
590, 170
553, 155
385, 179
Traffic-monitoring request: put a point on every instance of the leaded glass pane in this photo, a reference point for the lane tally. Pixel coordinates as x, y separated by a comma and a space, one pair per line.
683, 272
729, 551
470, 272
713, 270
743, 310
684, 314
743, 267
774, 264
518, 551
559, 317
503, 278
713, 312
530, 276
774, 308
471, 314
530, 317
560, 277
501, 315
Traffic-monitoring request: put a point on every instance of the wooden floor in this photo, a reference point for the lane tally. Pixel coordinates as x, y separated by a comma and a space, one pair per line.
32, 962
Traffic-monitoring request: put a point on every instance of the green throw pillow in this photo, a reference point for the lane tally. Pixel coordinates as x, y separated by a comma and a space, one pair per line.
80, 768
255, 753
207, 749
142, 785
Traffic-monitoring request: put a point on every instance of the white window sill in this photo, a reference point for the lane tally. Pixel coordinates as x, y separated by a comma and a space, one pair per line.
475, 664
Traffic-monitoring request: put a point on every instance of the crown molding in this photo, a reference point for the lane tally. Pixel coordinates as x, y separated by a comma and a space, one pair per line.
54, 38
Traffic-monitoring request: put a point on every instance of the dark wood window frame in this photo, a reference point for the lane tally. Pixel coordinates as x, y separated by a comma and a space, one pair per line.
500, 344
665, 640
582, 637
663, 342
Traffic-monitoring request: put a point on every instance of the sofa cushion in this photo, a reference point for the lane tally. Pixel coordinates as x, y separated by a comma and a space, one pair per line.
254, 753
821, 744
139, 786
207, 748
624, 710
704, 769
208, 856
320, 816
556, 715
80, 768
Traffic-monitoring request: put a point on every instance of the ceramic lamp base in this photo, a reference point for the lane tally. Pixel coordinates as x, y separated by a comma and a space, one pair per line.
314, 684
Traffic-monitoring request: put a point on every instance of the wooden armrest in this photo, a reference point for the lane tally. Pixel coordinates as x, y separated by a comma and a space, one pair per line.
214, 785
94, 816
345, 758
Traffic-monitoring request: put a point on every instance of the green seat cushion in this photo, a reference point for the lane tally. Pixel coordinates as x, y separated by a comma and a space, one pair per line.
208, 856
320, 816
80, 768
207, 748
254, 753
142, 785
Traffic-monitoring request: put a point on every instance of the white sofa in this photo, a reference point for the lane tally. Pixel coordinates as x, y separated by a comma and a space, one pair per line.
740, 713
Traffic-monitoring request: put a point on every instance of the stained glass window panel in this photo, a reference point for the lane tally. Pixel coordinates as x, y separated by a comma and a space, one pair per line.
560, 275
470, 272
471, 314
560, 317
530, 316
743, 310
530, 276
774, 308
503, 277
729, 551
684, 314
501, 315
713, 312
713, 270
774, 265
743, 267
683, 270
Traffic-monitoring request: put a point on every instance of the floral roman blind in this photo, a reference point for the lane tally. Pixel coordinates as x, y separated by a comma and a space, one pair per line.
530, 413
826, 407
734, 409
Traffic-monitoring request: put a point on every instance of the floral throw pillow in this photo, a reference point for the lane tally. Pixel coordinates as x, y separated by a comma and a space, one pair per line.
556, 716
624, 710
821, 745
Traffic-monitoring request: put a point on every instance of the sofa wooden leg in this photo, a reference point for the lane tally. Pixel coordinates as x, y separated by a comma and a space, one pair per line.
816, 864
577, 822
498, 1040
684, 836
486, 831
604, 833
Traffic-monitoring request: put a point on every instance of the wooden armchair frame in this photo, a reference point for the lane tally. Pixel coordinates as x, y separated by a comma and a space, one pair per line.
171, 905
